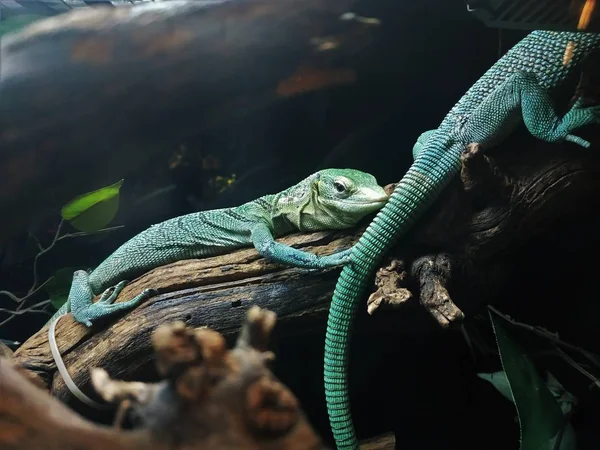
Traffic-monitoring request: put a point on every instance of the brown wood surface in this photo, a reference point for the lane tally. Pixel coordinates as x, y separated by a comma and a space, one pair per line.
210, 398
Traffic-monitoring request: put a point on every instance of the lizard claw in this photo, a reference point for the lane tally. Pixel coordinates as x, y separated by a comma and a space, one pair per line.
111, 294
336, 259
99, 310
577, 117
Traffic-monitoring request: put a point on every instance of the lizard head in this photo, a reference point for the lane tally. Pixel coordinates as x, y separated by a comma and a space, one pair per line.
337, 199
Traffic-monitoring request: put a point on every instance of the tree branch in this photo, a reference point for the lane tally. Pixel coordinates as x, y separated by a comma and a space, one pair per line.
218, 398
208, 398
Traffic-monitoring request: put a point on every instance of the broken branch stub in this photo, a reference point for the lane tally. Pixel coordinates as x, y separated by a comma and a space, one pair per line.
209, 398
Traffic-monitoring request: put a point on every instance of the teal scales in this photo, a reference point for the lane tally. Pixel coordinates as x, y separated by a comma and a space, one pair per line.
327, 200
514, 90
330, 199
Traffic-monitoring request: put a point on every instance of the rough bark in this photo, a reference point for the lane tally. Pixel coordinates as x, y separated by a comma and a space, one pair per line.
466, 242
120, 71
215, 292
209, 398
384, 442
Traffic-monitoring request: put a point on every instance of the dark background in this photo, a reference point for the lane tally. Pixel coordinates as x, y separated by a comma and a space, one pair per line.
423, 387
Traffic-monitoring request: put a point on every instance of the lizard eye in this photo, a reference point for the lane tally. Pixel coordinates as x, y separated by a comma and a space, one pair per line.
339, 186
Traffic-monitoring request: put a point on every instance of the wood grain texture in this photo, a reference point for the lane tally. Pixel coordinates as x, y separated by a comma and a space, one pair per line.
214, 292
209, 397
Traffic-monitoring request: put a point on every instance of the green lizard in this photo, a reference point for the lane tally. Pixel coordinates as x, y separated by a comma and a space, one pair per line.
330, 199
514, 90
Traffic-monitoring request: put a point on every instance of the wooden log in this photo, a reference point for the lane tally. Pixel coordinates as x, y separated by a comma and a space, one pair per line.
215, 292
117, 72
218, 398
503, 198
386, 441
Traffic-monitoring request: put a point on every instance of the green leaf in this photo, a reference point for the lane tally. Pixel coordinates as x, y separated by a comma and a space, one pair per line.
565, 399
499, 381
60, 284
568, 441
540, 416
94, 210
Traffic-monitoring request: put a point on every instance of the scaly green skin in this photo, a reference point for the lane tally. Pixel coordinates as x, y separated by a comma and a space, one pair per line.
327, 200
514, 90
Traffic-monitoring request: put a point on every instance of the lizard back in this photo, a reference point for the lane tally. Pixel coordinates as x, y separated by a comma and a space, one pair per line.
540, 53
195, 235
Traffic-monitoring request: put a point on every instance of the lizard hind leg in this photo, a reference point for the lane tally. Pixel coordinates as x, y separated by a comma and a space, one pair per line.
540, 117
579, 116
522, 97
83, 308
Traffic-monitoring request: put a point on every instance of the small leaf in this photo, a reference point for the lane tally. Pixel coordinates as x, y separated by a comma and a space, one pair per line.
565, 399
94, 210
85, 201
97, 217
499, 381
540, 416
59, 286
568, 441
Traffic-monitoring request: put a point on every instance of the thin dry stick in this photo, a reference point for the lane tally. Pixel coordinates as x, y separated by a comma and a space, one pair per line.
550, 336
57, 238
18, 312
88, 233
577, 366
11, 296
20, 300
32, 307
37, 257
34, 288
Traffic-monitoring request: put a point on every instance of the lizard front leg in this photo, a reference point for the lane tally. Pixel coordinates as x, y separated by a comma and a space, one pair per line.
265, 244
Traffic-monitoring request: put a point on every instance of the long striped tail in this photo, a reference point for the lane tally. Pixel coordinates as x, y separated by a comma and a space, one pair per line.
430, 173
